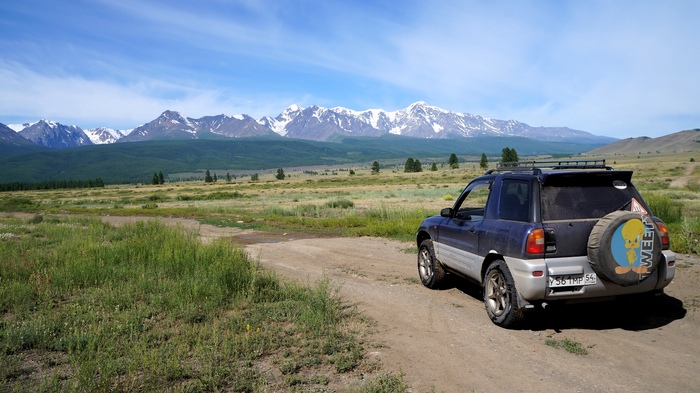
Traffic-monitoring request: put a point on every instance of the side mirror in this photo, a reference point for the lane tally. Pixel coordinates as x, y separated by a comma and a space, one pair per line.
446, 212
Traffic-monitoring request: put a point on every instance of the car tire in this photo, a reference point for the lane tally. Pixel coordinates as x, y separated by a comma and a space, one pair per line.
430, 270
624, 258
501, 296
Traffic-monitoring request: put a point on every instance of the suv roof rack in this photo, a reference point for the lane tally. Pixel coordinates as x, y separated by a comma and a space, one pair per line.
537, 166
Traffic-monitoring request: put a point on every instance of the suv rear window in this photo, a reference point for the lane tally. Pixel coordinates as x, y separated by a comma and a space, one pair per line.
590, 196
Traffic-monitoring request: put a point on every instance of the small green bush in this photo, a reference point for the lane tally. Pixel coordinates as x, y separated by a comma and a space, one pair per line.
385, 383
685, 236
18, 203
156, 198
665, 208
38, 218
222, 195
340, 204
569, 345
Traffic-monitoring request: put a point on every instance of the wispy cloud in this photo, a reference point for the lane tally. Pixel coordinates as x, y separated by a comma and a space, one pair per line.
614, 68
93, 103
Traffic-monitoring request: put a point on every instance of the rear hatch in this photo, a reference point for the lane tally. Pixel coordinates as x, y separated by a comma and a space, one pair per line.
572, 202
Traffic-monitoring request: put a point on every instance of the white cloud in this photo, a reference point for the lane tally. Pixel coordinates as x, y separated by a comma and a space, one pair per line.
613, 68
29, 95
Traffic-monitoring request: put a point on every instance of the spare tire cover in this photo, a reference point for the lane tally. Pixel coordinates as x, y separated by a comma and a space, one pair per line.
624, 247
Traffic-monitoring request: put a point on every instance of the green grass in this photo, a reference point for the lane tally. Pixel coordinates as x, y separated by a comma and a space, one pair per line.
665, 208
89, 307
391, 204
685, 235
396, 223
569, 345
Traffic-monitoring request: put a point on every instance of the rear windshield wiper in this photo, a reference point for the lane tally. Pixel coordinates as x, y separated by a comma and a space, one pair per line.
624, 206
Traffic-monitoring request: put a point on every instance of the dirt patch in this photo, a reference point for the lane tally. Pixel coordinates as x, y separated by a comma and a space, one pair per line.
443, 341
685, 179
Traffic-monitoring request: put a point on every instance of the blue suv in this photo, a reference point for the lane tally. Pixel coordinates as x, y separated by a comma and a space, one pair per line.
542, 232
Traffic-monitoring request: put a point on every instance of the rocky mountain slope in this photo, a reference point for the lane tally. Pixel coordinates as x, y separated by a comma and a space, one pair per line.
55, 135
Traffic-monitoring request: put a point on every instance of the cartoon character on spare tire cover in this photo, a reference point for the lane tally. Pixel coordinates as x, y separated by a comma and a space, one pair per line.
624, 248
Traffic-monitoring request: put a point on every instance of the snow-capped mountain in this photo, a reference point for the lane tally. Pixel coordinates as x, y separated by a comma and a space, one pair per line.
20, 127
231, 126
54, 135
169, 125
321, 124
10, 135
172, 125
279, 123
105, 135
418, 120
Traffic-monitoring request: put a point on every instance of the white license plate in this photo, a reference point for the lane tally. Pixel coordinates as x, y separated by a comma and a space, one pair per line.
572, 280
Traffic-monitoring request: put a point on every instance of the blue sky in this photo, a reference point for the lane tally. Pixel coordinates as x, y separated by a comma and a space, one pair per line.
615, 68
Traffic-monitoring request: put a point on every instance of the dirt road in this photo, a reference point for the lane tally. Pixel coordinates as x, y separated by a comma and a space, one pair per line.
443, 341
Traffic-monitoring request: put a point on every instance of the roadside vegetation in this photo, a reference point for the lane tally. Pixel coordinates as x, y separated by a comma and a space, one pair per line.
145, 307
87, 306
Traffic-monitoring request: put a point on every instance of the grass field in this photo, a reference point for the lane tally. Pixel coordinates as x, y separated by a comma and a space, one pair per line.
86, 306
146, 307
332, 201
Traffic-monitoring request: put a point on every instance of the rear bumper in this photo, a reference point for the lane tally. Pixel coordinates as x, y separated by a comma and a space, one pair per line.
534, 289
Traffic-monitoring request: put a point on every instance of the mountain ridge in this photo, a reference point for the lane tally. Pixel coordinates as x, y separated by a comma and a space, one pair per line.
678, 142
418, 120
55, 135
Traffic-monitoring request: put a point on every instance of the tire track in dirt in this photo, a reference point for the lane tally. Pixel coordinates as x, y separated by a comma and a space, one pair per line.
685, 179
443, 340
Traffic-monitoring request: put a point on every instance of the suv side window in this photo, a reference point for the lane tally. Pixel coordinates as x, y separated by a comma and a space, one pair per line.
473, 206
514, 201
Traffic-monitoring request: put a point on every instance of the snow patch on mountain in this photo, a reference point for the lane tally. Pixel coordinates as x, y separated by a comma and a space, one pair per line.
104, 135
20, 127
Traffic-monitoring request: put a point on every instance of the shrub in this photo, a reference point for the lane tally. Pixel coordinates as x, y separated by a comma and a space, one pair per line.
11, 204
685, 236
222, 195
340, 204
569, 345
156, 198
665, 208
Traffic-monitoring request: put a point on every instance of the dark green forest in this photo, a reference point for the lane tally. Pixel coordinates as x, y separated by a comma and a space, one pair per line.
136, 162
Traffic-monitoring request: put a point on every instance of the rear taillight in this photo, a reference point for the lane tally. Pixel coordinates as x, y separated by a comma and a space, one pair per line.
535, 242
663, 231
